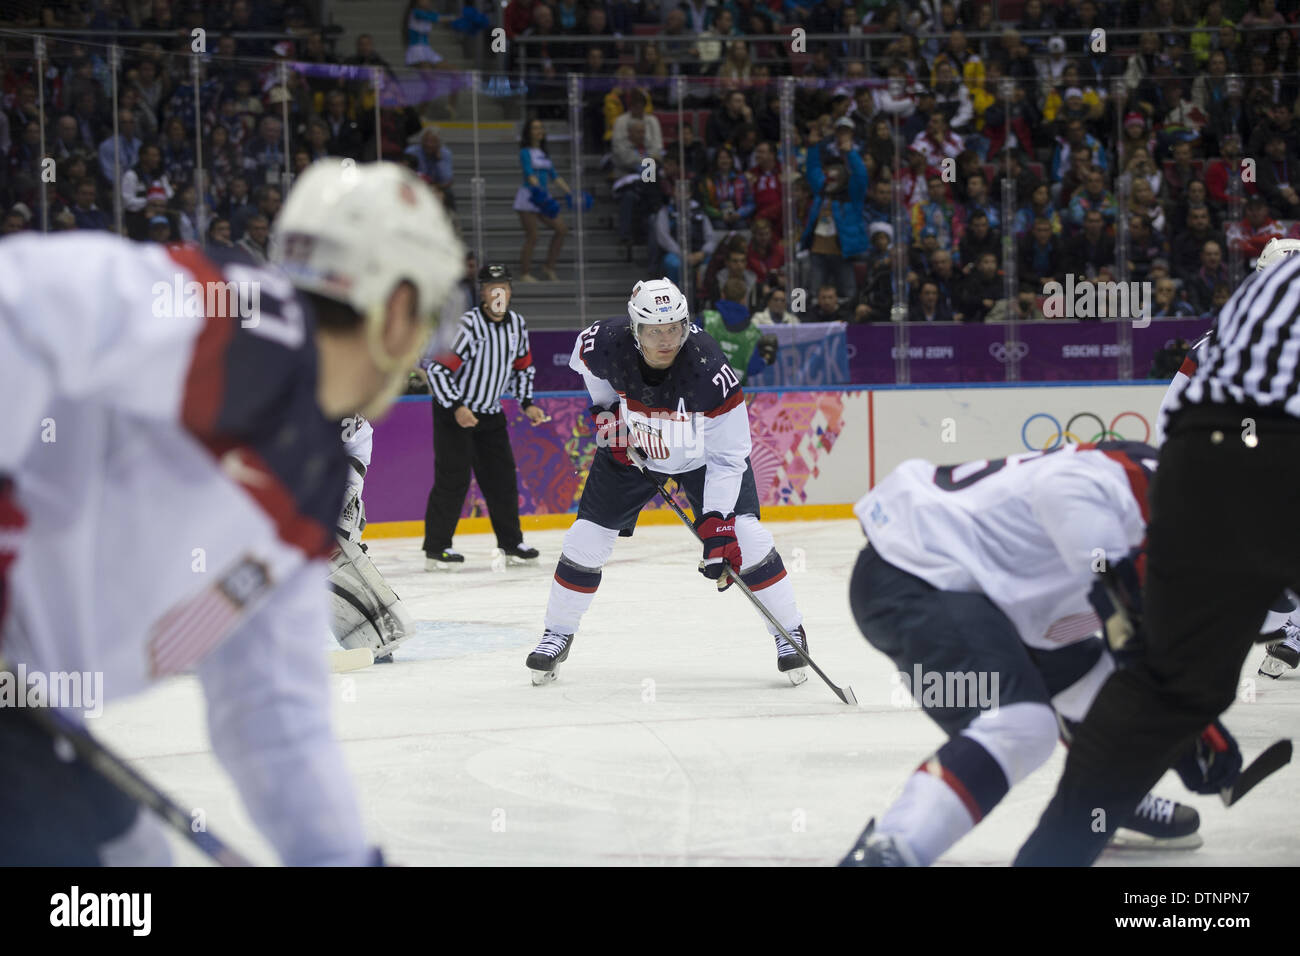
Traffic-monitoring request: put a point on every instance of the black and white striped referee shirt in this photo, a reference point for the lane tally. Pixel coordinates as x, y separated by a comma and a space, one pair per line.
486, 359
1253, 358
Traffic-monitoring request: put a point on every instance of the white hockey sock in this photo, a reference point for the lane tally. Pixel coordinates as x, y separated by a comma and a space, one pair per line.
586, 548
929, 817
778, 598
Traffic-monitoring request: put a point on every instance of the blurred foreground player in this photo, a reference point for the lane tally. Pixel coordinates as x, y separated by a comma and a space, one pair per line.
975, 582
180, 518
364, 610
663, 387
1224, 542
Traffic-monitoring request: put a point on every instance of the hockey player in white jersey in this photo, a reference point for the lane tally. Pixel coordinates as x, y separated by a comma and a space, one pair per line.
976, 582
170, 482
364, 610
1282, 649
662, 386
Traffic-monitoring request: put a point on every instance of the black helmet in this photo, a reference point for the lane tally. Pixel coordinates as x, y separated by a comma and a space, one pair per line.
494, 272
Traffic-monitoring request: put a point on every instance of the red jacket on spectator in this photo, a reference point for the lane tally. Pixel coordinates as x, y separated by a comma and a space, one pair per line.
767, 198
1216, 181
761, 263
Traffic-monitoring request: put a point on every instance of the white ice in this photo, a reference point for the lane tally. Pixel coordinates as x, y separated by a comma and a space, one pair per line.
669, 737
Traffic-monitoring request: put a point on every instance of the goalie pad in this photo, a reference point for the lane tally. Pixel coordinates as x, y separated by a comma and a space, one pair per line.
364, 610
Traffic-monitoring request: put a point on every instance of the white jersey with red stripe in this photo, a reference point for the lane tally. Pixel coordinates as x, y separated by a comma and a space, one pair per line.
181, 488
1179, 382
687, 416
1027, 531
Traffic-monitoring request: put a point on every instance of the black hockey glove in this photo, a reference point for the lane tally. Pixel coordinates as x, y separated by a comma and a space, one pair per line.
1116, 596
1212, 763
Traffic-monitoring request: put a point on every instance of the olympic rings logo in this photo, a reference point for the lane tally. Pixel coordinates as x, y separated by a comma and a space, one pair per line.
1048, 434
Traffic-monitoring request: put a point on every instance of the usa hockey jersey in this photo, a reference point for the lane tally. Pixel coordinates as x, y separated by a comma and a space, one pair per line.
1027, 531
687, 416
181, 487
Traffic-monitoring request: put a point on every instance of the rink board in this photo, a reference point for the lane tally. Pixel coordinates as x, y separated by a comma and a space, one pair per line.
815, 452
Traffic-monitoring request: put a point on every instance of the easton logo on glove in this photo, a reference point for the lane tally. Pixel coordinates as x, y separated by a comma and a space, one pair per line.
721, 550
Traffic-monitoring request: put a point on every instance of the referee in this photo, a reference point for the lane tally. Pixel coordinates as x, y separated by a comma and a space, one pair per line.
489, 353
1223, 543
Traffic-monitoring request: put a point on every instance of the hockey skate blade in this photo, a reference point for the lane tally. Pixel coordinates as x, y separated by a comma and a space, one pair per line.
514, 562
1270, 666
543, 677
798, 676
352, 659
431, 565
1126, 839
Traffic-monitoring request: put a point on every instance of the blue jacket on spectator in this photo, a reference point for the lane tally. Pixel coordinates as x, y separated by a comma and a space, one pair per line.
850, 224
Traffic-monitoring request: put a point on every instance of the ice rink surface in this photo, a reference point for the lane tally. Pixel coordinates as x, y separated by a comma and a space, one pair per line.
669, 738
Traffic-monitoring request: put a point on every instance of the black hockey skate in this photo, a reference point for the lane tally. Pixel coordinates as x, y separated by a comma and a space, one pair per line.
1160, 824
875, 849
447, 560
546, 658
519, 554
788, 662
1281, 656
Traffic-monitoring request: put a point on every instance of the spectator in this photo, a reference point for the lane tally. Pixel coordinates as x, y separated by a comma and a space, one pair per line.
930, 304
952, 98
1094, 195
1074, 179
1023, 178
980, 292
827, 307
722, 125
879, 205
1277, 177
1144, 247
765, 257
896, 97
1040, 256
265, 150
219, 234
433, 160
1209, 276
238, 205
637, 198
254, 243
1189, 242
266, 203
84, 211
674, 262
913, 178
1075, 137
725, 195
1091, 249
638, 104
940, 269
1040, 206
345, 134
141, 181
977, 202
937, 212
1169, 303
177, 153
834, 233
977, 240
533, 200
748, 351
1251, 234
160, 229
1143, 201
737, 268
774, 311
938, 142
765, 185
1226, 171
128, 149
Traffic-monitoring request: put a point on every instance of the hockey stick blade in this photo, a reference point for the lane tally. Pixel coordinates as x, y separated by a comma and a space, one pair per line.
351, 660
1265, 765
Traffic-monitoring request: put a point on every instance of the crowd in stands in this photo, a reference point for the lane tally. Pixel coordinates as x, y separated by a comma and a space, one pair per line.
1152, 131
924, 107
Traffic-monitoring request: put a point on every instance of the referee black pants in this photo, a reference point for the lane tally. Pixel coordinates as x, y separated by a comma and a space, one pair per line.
1223, 543
485, 449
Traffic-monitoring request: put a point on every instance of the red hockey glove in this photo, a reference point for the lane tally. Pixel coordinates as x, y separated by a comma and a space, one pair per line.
721, 549
612, 433
12, 525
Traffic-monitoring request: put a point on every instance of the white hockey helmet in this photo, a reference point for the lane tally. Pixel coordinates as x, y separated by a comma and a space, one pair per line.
353, 232
1275, 252
657, 302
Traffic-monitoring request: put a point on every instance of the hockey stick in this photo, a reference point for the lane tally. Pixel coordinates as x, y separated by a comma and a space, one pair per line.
845, 694
116, 771
1265, 765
